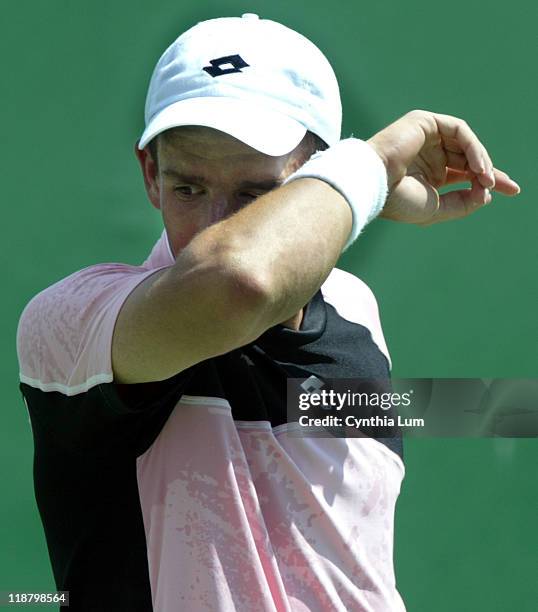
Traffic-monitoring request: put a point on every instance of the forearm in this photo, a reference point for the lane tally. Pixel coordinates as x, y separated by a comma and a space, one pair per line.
287, 241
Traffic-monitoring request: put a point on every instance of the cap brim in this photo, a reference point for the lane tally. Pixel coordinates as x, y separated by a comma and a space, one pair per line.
264, 130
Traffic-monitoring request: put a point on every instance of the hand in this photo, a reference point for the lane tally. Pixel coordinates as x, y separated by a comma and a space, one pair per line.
424, 151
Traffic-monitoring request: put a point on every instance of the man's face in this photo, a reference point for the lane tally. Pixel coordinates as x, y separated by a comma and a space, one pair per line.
204, 175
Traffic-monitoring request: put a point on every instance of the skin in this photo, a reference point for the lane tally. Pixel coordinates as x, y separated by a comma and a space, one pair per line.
424, 152
450, 153
250, 258
230, 175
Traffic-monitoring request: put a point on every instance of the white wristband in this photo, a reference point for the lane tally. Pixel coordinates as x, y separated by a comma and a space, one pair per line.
353, 168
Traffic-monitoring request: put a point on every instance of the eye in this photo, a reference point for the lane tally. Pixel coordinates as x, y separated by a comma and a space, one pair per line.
187, 191
249, 195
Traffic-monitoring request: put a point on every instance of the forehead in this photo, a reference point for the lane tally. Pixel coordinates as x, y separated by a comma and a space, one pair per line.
205, 151
206, 143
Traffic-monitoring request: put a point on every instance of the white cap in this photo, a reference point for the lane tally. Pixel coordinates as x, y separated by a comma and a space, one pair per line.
252, 78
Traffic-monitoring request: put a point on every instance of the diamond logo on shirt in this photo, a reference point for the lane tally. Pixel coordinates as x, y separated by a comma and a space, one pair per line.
247, 359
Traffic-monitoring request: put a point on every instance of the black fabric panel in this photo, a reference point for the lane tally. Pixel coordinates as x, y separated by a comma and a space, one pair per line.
86, 446
94, 529
253, 378
85, 450
109, 419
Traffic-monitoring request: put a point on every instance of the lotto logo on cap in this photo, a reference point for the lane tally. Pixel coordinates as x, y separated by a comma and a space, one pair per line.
252, 78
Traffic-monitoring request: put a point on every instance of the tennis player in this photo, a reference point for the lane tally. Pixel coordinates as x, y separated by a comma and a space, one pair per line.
167, 473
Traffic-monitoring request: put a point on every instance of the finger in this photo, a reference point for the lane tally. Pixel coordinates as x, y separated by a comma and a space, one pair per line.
460, 203
457, 176
456, 160
475, 153
459, 131
478, 194
503, 183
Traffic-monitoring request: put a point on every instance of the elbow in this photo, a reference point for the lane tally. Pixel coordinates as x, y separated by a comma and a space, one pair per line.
249, 293
243, 274
242, 296
246, 307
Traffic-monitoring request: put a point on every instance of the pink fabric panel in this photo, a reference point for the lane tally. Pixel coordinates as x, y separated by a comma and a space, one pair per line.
328, 505
64, 336
260, 520
205, 535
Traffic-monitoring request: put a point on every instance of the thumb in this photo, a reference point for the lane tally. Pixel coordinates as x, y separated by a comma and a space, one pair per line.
461, 203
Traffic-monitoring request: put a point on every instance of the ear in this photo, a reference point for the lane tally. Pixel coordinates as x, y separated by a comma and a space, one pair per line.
150, 174
300, 155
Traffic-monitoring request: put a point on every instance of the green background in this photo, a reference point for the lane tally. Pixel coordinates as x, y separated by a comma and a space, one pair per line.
456, 300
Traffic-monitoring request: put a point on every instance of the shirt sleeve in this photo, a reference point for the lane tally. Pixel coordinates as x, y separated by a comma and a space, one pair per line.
64, 336
356, 302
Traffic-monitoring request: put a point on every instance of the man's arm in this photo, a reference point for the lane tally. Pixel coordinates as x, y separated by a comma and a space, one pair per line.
257, 268
233, 281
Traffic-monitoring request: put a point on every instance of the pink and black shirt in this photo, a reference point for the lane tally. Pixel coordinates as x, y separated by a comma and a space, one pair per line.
191, 494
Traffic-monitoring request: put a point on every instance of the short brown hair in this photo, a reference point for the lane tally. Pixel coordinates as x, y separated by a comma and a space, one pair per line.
311, 143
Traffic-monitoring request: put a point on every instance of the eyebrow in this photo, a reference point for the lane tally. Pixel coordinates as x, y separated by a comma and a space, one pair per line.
197, 179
